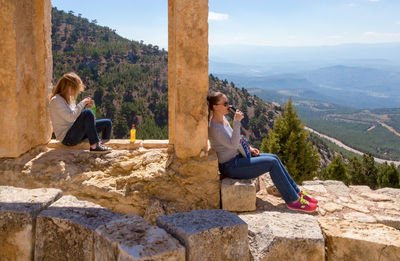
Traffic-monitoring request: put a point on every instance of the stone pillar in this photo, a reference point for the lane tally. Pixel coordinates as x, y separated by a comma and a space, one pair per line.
188, 76
25, 75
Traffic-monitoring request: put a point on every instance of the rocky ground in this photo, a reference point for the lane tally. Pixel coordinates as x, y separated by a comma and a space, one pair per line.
336, 200
352, 222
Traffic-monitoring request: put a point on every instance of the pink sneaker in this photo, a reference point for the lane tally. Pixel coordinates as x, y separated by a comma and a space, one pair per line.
307, 197
303, 205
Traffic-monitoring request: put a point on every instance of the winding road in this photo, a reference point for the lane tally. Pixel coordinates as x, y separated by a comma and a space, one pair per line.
340, 144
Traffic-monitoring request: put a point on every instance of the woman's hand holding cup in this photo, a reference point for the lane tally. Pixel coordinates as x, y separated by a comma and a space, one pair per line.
238, 115
89, 102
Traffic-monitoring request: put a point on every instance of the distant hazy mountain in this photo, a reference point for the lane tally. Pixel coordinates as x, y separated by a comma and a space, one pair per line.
357, 78
357, 87
372, 55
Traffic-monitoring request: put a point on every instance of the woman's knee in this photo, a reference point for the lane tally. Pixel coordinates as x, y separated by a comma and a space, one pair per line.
87, 114
275, 161
109, 123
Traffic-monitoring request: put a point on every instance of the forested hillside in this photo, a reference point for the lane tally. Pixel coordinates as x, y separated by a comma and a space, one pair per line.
129, 80
259, 115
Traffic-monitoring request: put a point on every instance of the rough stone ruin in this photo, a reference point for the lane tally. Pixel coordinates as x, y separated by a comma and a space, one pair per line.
156, 200
352, 223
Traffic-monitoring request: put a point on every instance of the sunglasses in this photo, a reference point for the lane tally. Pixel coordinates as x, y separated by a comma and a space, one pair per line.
225, 104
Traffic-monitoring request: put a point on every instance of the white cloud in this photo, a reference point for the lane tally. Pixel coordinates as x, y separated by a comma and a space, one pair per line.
377, 34
398, 23
212, 16
374, 0
335, 37
370, 33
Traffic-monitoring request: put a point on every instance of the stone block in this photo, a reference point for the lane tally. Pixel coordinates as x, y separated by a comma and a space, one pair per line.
349, 240
18, 210
238, 194
133, 238
209, 234
65, 231
284, 236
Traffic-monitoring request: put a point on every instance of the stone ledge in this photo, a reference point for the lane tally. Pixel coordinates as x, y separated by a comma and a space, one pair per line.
116, 144
72, 229
67, 227
351, 240
133, 238
284, 236
18, 210
209, 234
238, 195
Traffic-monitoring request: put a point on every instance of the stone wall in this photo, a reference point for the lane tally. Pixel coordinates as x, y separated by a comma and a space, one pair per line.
41, 224
141, 181
25, 75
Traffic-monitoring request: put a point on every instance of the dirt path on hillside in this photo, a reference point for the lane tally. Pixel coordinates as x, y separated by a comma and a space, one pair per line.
390, 128
340, 144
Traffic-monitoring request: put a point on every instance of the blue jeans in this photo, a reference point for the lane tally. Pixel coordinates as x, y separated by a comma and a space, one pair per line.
248, 168
85, 126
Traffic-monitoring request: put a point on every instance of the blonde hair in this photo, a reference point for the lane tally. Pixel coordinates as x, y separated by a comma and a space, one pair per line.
72, 80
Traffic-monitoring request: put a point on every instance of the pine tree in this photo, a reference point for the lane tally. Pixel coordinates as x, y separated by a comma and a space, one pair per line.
355, 172
336, 170
370, 171
288, 140
388, 176
120, 128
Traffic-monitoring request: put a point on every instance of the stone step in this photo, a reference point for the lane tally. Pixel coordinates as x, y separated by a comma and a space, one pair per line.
116, 144
351, 240
80, 230
133, 238
39, 224
208, 234
66, 229
284, 236
18, 210
238, 195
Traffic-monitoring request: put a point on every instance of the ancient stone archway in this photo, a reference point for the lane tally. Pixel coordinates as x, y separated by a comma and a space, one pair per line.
26, 72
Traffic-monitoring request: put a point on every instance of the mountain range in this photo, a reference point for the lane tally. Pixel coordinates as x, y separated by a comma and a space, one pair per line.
356, 87
263, 60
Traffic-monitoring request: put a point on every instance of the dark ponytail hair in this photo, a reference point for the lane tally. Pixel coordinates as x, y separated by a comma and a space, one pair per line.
213, 99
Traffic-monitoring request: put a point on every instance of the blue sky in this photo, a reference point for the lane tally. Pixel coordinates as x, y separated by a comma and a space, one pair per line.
254, 22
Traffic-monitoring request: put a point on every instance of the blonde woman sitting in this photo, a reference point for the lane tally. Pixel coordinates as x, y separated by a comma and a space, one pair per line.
72, 123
